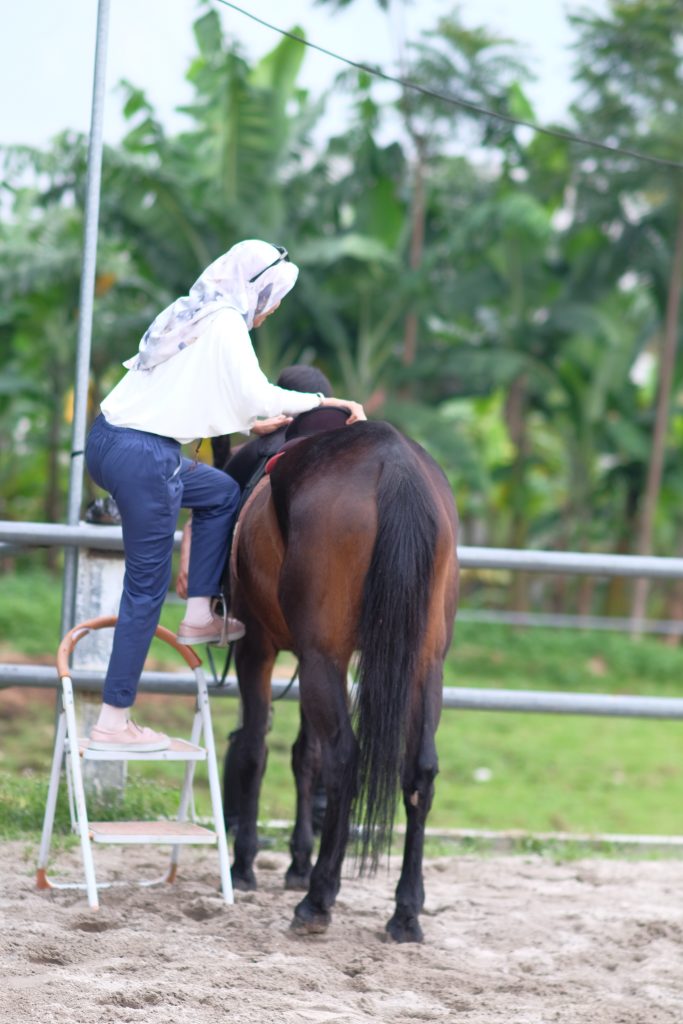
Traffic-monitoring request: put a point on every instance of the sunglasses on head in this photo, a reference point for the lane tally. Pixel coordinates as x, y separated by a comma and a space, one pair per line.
283, 255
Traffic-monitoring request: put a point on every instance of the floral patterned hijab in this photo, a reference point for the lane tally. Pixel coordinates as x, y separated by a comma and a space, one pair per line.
226, 284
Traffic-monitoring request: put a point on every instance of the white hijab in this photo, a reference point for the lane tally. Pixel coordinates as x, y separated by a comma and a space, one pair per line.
224, 284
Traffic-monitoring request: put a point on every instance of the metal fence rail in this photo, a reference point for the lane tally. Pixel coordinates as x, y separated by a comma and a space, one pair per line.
104, 538
566, 562
551, 620
109, 538
462, 697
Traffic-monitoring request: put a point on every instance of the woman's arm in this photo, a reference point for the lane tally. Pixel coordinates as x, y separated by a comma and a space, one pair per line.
248, 390
356, 409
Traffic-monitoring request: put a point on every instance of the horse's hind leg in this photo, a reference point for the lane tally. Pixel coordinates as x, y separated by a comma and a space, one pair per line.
323, 694
417, 783
254, 659
306, 767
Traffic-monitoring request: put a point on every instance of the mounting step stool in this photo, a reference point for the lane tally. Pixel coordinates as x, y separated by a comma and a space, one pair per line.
70, 749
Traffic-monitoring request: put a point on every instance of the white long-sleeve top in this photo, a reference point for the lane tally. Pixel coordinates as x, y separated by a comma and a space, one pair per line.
214, 386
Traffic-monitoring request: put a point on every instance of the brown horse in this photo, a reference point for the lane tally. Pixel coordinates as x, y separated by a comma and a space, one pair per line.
351, 547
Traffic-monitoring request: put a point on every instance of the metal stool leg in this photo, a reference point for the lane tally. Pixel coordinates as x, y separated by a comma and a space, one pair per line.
74, 758
51, 804
185, 795
214, 787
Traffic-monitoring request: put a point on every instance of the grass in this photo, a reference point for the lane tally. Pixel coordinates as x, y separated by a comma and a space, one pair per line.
499, 771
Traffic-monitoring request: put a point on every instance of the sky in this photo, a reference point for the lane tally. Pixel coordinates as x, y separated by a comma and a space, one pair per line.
47, 52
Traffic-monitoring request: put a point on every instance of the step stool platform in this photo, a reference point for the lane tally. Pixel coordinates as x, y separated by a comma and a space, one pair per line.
180, 750
162, 832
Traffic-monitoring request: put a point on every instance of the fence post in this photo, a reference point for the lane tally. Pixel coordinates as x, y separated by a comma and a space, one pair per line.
98, 592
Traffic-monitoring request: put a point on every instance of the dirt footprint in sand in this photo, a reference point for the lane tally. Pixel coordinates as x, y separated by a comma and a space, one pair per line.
49, 956
140, 1000
94, 923
203, 908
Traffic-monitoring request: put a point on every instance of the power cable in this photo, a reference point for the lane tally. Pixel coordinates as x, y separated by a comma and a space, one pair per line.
456, 101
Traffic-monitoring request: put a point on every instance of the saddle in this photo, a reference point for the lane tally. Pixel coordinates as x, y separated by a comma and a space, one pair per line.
306, 424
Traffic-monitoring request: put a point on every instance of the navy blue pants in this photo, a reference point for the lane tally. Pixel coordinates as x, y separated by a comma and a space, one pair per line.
151, 481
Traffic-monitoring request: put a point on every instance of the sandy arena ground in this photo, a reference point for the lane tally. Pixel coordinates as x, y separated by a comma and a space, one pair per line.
518, 940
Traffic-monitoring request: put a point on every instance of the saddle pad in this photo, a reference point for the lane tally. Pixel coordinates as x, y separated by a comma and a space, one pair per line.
270, 464
260, 486
306, 424
317, 421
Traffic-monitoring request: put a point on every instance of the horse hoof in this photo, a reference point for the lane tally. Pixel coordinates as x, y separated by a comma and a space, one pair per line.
244, 883
405, 929
313, 927
310, 922
293, 880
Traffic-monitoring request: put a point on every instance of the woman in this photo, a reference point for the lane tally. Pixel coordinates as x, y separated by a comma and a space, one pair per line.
196, 375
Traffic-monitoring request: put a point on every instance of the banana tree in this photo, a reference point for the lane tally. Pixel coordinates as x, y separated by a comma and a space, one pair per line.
349, 219
633, 96
475, 66
237, 171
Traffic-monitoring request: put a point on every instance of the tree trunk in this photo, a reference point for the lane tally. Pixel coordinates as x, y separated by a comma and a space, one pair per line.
584, 599
674, 603
656, 464
619, 587
417, 236
52, 507
94, 400
516, 417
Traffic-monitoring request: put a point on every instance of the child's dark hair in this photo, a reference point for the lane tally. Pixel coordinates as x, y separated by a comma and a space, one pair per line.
300, 377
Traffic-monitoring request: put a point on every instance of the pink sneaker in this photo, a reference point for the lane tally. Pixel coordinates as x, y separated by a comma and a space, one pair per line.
219, 631
132, 738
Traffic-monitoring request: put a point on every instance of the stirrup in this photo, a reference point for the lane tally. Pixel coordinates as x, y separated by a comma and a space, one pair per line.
232, 629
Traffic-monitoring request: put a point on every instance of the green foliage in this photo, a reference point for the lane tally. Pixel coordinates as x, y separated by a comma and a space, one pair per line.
535, 274
30, 611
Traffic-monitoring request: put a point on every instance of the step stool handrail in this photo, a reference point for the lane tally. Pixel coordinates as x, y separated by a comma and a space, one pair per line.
103, 621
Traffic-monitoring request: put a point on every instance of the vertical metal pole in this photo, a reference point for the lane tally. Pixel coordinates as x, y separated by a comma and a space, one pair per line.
92, 210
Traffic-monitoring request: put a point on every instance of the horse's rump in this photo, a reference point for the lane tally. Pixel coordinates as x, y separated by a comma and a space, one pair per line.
326, 493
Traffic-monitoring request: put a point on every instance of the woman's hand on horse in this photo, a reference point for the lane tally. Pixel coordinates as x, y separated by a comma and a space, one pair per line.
355, 408
262, 427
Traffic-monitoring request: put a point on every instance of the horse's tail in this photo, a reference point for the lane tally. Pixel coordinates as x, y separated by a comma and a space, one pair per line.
392, 624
